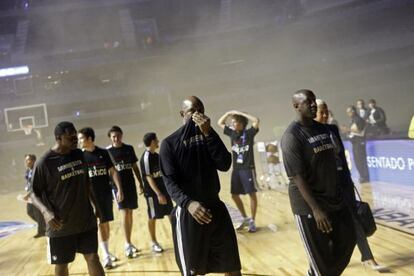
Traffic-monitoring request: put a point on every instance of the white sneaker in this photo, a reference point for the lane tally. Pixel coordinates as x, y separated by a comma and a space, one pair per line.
156, 247
107, 263
244, 224
252, 226
129, 252
134, 249
113, 257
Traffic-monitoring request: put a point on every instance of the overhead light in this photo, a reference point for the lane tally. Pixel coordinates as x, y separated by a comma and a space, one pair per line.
14, 71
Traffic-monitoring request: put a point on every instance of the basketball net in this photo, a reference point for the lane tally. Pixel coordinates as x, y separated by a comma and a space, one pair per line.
28, 129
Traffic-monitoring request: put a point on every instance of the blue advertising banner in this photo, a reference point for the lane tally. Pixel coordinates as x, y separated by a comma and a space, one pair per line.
388, 161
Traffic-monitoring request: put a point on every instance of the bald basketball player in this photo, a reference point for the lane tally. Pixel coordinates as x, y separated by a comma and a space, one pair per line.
204, 237
324, 223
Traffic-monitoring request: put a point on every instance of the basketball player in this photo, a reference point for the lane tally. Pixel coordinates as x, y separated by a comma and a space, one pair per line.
100, 166
204, 237
158, 200
323, 221
32, 211
125, 160
243, 177
62, 192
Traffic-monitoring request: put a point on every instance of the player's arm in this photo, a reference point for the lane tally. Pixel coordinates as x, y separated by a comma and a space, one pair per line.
254, 120
169, 175
322, 221
161, 197
138, 175
117, 180
92, 198
37, 188
48, 215
223, 119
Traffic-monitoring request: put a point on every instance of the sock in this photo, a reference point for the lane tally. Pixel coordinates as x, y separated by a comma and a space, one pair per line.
104, 248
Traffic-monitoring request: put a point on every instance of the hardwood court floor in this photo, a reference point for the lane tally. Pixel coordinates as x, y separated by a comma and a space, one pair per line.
263, 253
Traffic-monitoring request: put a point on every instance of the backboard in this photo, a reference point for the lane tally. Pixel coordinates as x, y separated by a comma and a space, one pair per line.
19, 118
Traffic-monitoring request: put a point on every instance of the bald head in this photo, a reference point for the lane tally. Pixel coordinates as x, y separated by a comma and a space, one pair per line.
304, 103
302, 95
192, 104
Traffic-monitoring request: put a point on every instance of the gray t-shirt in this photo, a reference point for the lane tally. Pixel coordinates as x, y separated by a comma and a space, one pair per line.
309, 152
61, 182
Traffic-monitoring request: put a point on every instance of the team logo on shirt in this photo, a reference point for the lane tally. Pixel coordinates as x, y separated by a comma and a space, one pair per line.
74, 172
240, 149
93, 171
323, 142
121, 166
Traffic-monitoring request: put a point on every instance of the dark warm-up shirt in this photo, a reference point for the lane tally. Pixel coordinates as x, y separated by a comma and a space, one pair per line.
308, 151
99, 162
189, 163
150, 166
242, 147
124, 158
61, 182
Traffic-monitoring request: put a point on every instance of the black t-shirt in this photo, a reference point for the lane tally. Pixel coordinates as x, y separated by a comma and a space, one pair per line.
189, 163
99, 162
150, 166
308, 151
124, 158
61, 182
242, 147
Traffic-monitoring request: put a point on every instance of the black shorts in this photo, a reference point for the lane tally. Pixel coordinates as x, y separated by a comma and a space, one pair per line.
130, 197
328, 254
208, 248
155, 209
243, 181
105, 205
62, 250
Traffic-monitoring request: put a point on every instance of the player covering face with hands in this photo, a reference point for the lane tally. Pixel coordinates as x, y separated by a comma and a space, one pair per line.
204, 237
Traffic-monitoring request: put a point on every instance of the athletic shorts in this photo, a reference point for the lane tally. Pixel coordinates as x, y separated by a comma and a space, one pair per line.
130, 197
243, 181
62, 250
155, 209
105, 205
328, 254
208, 248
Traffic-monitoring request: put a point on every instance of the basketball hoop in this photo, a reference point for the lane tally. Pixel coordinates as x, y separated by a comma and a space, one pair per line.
27, 129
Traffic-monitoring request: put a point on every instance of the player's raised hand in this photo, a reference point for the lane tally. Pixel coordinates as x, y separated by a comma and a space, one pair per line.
203, 122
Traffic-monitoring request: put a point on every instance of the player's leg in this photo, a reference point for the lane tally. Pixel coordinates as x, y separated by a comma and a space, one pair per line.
87, 245
151, 229
94, 265
61, 270
248, 183
126, 220
60, 252
236, 189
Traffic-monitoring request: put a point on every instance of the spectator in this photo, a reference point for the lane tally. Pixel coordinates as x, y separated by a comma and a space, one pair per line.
32, 211
362, 111
356, 134
376, 120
